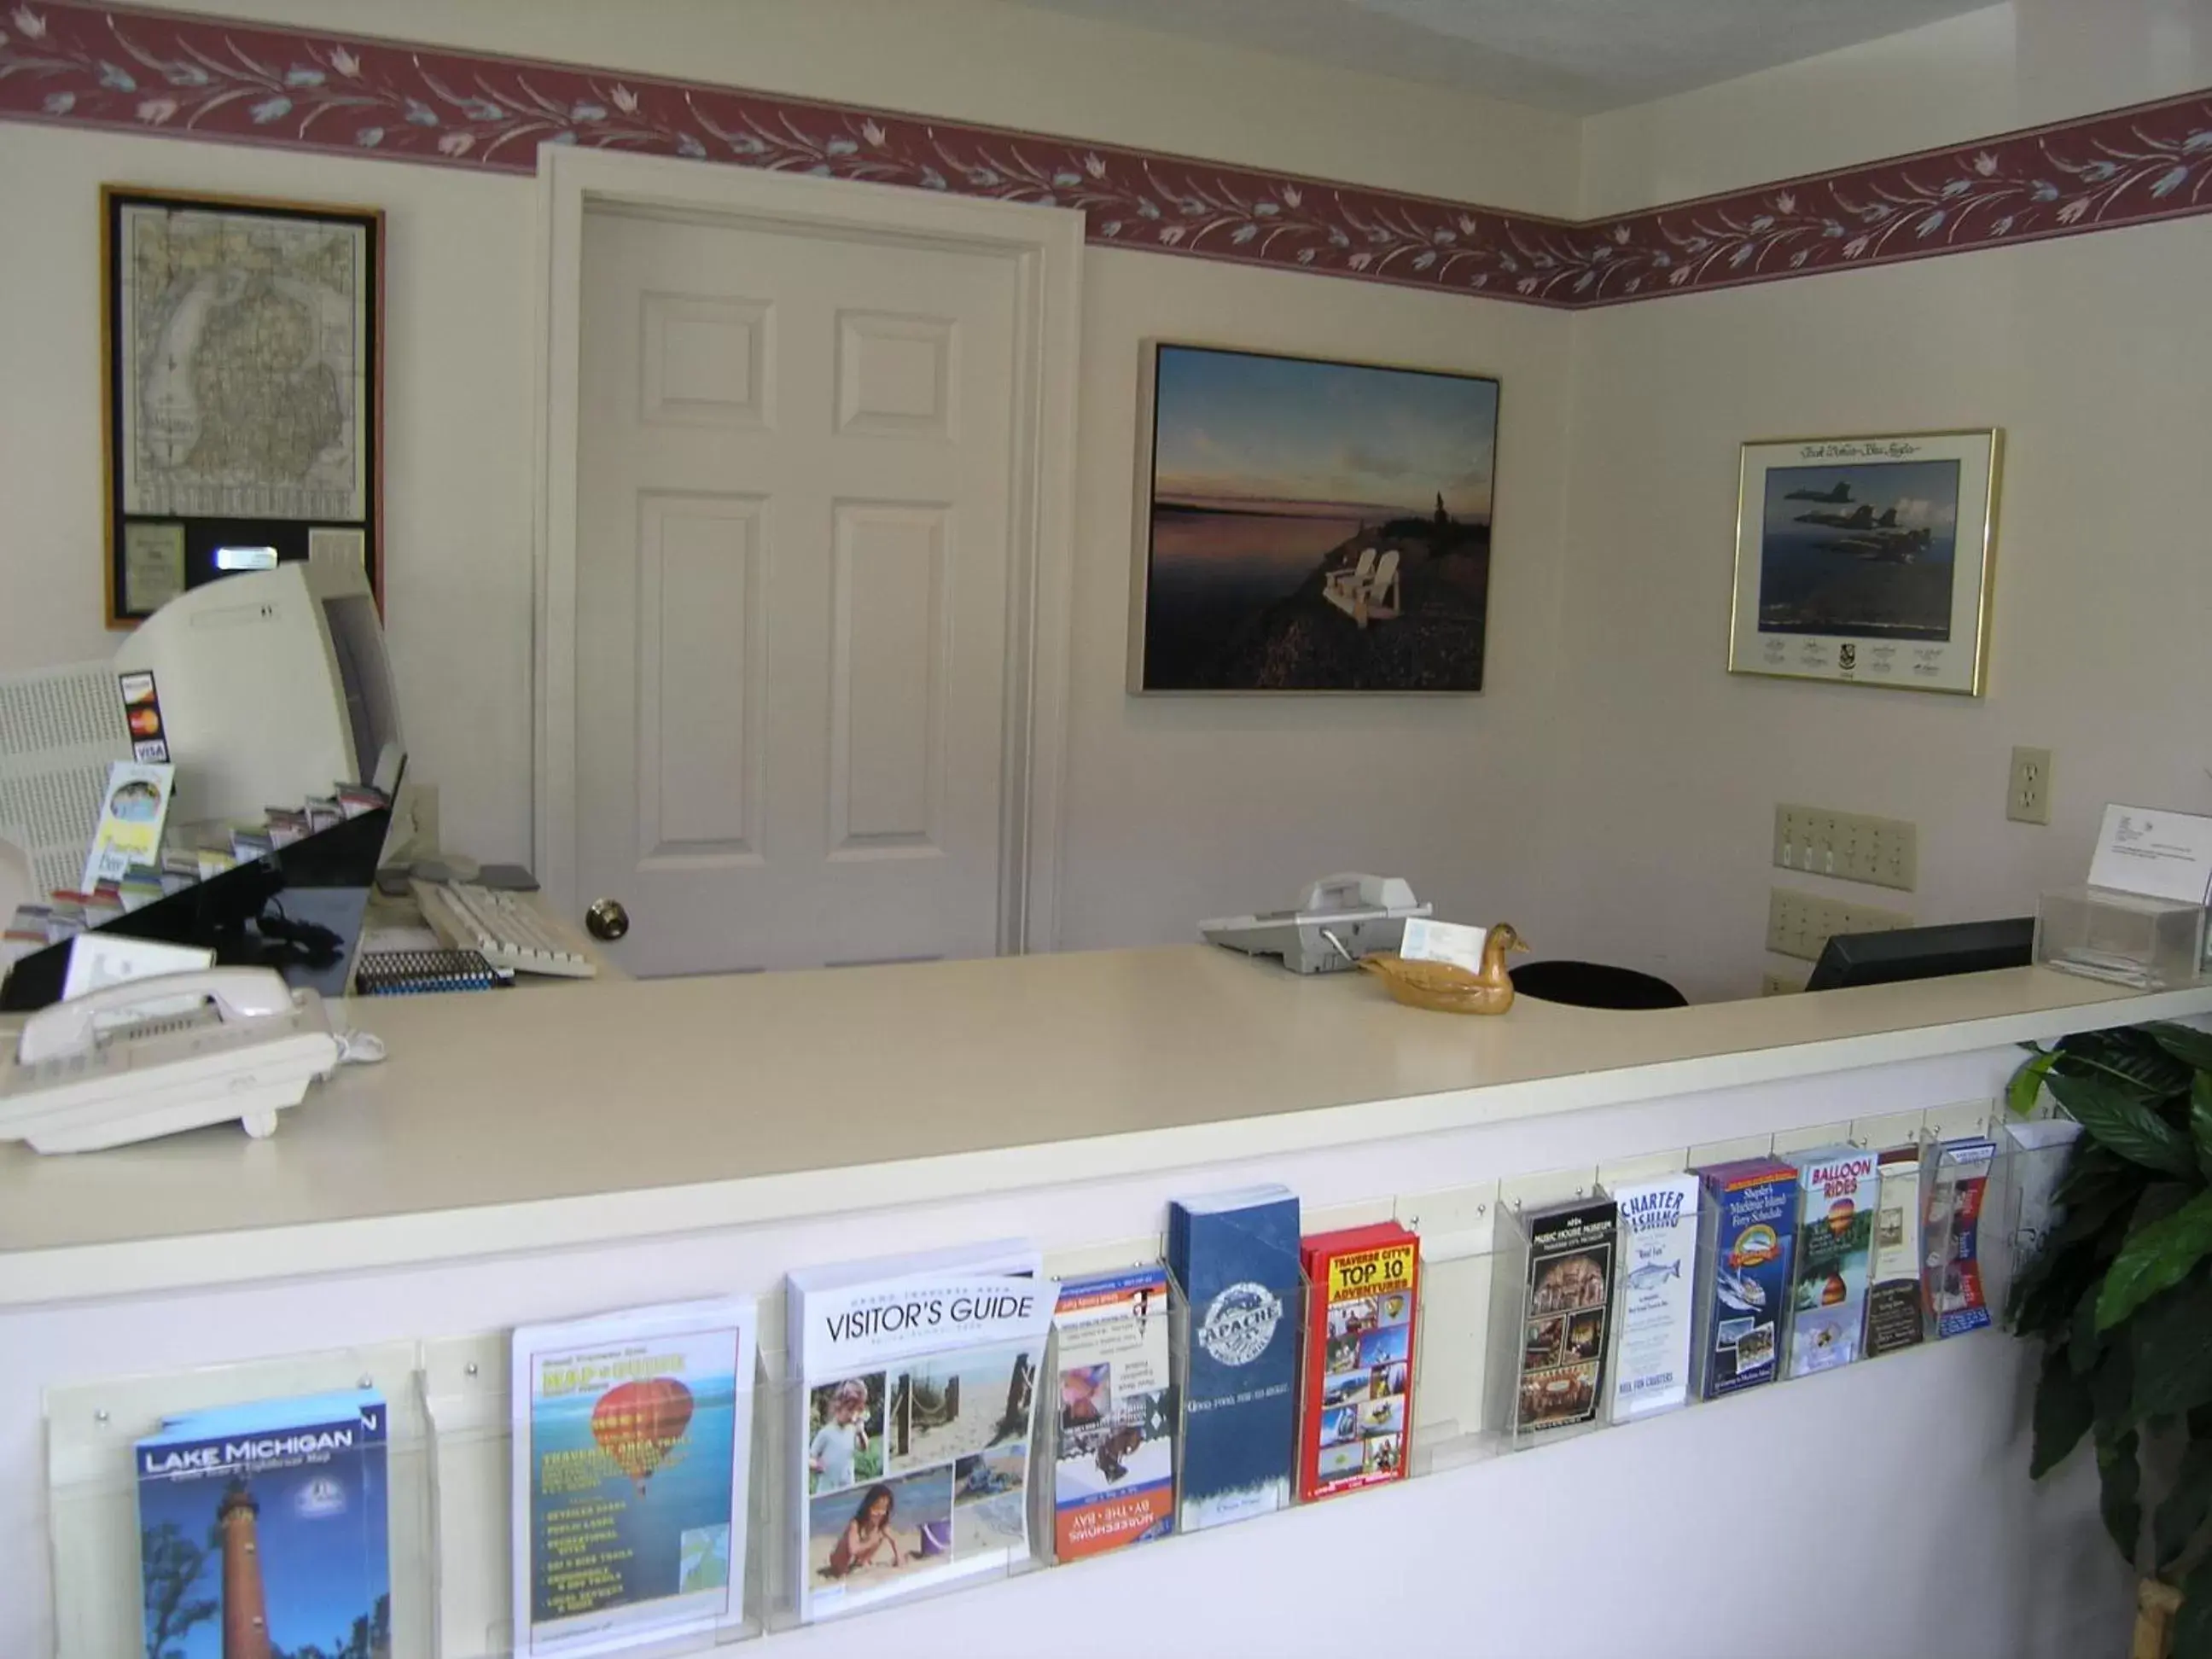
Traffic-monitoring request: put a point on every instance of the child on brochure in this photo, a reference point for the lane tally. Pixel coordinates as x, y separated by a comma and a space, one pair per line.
838, 1442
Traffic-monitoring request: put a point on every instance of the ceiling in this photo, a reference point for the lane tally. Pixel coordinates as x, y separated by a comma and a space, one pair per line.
1580, 56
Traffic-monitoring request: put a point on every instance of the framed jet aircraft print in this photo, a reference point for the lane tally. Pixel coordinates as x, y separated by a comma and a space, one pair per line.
1867, 560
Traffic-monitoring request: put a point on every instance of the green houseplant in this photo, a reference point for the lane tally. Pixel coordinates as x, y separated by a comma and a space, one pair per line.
2120, 1295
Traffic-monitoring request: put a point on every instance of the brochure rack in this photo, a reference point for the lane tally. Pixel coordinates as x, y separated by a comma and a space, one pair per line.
451, 1447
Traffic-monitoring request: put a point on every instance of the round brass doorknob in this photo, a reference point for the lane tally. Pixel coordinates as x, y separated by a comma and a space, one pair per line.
606, 920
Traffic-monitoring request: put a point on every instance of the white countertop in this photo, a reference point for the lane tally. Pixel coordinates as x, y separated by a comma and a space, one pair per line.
598, 1112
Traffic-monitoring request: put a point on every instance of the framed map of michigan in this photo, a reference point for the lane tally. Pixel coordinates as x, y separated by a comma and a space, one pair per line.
242, 346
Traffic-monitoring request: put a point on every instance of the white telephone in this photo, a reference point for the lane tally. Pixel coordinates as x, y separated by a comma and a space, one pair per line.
1339, 919
79, 1082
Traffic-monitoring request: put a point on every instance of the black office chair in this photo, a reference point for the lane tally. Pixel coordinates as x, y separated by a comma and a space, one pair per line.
1595, 985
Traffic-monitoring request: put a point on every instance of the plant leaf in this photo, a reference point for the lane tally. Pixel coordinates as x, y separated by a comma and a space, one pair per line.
2119, 1488
2192, 1625
2026, 1084
2062, 1413
2085, 1338
2157, 1256
2112, 1386
2124, 1124
2093, 1169
2129, 1059
2187, 1044
2171, 1336
2187, 1503
2200, 1119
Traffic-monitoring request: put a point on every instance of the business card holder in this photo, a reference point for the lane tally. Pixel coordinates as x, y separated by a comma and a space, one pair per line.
2124, 938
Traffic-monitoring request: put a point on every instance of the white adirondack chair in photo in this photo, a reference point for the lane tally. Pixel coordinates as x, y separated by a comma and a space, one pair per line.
1345, 588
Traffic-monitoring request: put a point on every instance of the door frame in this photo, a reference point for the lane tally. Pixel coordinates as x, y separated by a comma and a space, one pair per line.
1045, 245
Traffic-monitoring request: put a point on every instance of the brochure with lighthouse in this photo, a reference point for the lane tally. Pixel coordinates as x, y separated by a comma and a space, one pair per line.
915, 1402
263, 1529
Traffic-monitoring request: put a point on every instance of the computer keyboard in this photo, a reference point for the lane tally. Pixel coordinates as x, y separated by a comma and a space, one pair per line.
505, 928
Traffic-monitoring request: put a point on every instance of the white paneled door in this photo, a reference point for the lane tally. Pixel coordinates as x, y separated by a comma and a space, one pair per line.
793, 592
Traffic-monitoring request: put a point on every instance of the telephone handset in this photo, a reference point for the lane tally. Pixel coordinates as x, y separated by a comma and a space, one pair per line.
1339, 919
250, 1049
1353, 891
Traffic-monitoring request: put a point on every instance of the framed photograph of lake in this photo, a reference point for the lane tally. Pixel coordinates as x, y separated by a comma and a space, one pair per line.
1867, 560
1310, 525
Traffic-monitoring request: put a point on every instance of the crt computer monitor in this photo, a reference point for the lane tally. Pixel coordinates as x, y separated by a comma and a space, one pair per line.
273, 686
1905, 953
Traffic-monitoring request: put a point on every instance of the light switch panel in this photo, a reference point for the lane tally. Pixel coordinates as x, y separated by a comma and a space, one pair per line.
1848, 846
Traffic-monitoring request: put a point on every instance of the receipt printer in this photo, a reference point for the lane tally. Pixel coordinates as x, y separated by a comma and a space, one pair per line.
1341, 919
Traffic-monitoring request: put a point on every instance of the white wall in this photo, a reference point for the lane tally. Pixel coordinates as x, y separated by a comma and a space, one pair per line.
1178, 810
2016, 65
2091, 354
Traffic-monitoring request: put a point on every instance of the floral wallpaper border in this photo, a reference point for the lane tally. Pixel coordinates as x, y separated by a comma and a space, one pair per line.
69, 63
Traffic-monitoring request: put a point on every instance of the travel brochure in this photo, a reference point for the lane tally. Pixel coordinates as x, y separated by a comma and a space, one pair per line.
1115, 1438
1362, 1323
914, 1387
633, 1433
264, 1528
1567, 1312
916, 1403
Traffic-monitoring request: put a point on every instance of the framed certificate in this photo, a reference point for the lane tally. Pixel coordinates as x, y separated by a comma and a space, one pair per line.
1867, 560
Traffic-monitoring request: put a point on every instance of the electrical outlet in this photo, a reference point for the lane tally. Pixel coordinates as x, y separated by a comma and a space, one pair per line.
2027, 795
1800, 924
1848, 846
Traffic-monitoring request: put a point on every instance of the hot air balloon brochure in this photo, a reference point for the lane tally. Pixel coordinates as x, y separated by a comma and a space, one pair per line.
1839, 1191
632, 1435
915, 1404
1114, 1436
264, 1528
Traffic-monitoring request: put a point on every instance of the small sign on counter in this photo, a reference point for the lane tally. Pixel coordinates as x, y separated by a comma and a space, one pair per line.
2159, 855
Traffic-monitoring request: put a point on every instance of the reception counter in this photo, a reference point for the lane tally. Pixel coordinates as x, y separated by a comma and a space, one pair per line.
523, 1158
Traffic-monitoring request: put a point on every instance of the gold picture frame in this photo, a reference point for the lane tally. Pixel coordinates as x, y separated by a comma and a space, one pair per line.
241, 388
1867, 560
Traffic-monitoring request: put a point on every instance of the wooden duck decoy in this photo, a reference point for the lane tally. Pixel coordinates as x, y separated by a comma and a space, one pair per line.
1448, 987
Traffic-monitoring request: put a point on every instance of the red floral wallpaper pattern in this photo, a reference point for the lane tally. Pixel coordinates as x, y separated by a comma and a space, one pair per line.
73, 64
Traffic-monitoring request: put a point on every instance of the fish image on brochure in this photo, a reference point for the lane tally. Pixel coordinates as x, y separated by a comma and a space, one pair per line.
1658, 1254
915, 1406
632, 1435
